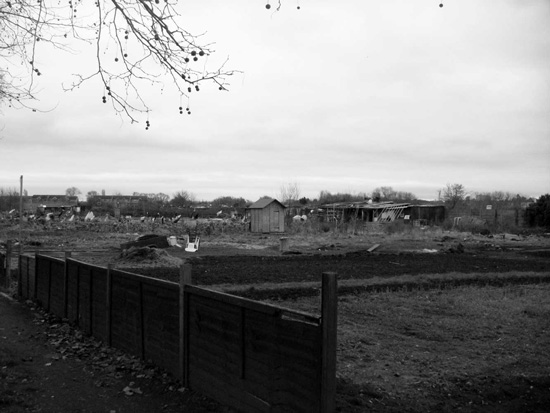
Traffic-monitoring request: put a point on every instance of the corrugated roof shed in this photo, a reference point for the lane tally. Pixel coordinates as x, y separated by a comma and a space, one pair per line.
365, 205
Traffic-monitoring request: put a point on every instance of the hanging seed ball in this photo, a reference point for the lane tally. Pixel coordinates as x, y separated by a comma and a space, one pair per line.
220, 88
189, 89
193, 53
440, 4
197, 88
125, 54
180, 108
195, 58
116, 59
186, 60
181, 112
201, 53
183, 76
268, 6
298, 7
126, 37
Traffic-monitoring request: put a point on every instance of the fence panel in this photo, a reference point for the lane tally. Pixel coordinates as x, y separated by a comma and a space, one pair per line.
160, 309
56, 302
43, 281
73, 281
252, 356
23, 284
2, 268
249, 355
126, 317
27, 276
84, 292
98, 303
145, 318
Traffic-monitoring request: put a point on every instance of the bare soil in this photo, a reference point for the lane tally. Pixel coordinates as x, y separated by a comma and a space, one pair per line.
391, 356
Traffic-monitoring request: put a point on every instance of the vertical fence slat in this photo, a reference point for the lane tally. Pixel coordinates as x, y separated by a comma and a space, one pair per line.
35, 274
329, 334
66, 285
9, 250
49, 294
186, 277
108, 312
20, 275
91, 302
141, 324
77, 302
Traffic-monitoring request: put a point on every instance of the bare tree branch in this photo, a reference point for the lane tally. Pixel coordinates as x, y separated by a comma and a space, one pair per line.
137, 43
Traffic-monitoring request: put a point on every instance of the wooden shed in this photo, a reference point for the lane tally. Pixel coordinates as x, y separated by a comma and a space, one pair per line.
267, 215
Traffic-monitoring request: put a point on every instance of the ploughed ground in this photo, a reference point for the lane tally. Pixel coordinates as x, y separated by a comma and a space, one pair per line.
405, 351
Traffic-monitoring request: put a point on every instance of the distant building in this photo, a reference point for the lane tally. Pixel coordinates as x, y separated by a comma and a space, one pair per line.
383, 212
51, 203
116, 200
267, 215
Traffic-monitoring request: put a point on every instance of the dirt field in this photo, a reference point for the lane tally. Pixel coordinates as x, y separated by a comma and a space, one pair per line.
466, 349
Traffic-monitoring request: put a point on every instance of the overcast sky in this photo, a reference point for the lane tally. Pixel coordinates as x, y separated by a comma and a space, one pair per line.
337, 96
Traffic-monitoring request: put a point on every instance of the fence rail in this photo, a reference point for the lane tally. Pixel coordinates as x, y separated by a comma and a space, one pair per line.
246, 354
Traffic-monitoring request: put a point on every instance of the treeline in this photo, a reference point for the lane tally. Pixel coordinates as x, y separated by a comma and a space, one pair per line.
536, 212
9, 199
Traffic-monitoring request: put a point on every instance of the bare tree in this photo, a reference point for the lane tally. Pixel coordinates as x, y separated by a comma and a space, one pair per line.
137, 43
72, 191
182, 198
91, 194
162, 198
387, 193
452, 194
9, 198
289, 193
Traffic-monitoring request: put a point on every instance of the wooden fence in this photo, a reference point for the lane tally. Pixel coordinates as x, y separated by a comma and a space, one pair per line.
3, 272
248, 355
5, 266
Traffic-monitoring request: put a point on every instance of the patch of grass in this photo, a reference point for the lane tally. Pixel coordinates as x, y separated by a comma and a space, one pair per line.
468, 347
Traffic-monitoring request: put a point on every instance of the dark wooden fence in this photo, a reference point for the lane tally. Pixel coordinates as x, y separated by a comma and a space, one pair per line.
3, 269
5, 266
249, 355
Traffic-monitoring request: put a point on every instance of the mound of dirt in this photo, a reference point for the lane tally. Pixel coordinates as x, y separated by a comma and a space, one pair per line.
147, 255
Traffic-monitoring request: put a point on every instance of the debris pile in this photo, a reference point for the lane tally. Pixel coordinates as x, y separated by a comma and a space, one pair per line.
148, 255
